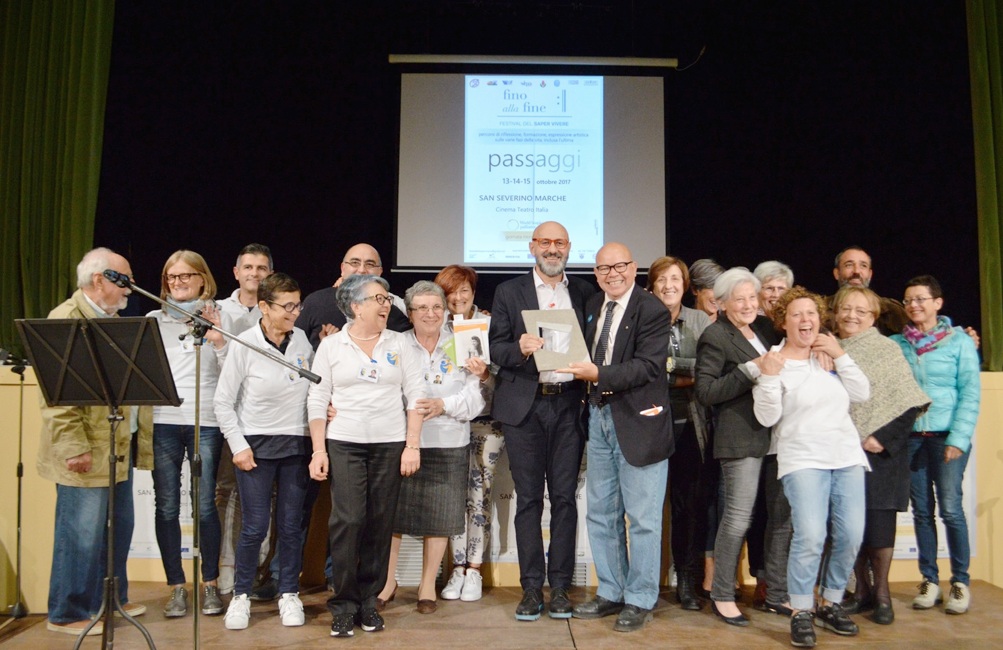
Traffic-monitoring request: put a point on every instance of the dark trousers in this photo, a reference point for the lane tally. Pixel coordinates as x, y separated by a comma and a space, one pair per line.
689, 487
365, 485
778, 533
291, 477
546, 448
755, 539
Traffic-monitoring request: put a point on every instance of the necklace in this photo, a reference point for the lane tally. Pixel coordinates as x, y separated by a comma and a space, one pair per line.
359, 338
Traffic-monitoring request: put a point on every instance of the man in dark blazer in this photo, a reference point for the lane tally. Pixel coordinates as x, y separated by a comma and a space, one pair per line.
630, 439
540, 414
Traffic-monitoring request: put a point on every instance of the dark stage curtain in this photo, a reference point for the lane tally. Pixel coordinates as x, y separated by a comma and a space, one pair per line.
985, 37
54, 56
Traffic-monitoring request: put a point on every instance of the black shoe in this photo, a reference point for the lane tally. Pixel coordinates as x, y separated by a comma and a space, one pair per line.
370, 620
802, 631
686, 595
531, 605
560, 604
741, 620
266, 591
632, 618
777, 608
883, 614
832, 617
854, 605
598, 607
343, 625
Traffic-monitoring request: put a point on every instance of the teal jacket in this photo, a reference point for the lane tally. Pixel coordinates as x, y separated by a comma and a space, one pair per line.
949, 374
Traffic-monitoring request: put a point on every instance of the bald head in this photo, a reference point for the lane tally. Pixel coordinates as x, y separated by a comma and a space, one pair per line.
550, 246
361, 259
615, 270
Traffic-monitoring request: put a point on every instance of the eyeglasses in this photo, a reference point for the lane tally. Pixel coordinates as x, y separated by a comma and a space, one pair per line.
183, 278
289, 306
356, 263
424, 309
380, 298
916, 301
619, 267
560, 244
847, 310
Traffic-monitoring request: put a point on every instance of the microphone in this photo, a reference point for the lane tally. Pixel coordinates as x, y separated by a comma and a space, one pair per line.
121, 279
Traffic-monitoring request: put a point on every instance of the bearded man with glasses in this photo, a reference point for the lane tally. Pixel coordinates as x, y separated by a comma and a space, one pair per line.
541, 415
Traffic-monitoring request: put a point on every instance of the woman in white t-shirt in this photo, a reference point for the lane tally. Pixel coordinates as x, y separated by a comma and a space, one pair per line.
819, 458
372, 377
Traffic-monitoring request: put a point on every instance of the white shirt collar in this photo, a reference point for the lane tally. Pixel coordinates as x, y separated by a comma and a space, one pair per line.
97, 310
540, 281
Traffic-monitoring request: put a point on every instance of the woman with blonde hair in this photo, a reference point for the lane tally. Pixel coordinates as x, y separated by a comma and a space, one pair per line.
884, 423
187, 283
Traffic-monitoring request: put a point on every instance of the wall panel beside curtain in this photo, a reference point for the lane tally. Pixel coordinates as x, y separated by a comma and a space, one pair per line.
55, 57
985, 56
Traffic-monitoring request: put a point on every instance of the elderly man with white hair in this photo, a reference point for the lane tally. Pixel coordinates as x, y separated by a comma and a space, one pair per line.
73, 452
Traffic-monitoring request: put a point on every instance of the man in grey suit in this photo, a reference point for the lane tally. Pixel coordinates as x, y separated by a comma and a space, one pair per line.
630, 439
540, 414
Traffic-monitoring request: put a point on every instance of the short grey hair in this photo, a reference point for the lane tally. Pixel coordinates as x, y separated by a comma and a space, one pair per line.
424, 288
352, 291
770, 269
730, 280
94, 261
703, 273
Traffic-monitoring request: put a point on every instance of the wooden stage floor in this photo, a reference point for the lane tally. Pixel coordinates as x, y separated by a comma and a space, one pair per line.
490, 623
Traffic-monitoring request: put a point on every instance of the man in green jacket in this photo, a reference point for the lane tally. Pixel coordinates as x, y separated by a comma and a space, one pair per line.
73, 452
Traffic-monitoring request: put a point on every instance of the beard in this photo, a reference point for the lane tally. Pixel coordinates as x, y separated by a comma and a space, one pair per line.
856, 276
117, 307
552, 264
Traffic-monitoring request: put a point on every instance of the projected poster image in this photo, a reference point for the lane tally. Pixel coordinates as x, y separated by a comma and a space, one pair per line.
533, 152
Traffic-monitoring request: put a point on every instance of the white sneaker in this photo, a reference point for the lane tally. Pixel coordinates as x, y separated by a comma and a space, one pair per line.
472, 582
452, 589
929, 595
238, 614
291, 610
958, 599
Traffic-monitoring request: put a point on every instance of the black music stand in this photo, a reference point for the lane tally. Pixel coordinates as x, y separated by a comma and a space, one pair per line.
109, 362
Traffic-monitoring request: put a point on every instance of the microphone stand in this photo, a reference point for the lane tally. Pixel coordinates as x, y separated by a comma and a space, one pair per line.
199, 327
123, 281
19, 609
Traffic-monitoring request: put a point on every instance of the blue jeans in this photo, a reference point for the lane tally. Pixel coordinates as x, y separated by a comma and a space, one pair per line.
171, 444
291, 474
79, 554
616, 487
937, 482
275, 566
818, 496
